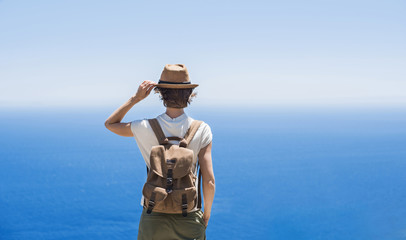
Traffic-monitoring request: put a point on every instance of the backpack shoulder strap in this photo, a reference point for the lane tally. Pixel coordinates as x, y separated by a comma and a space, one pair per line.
158, 131
199, 196
191, 132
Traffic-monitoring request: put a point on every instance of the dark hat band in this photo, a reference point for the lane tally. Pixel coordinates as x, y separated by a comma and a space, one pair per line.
165, 82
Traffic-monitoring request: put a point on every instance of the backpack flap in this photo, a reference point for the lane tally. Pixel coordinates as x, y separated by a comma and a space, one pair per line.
179, 159
149, 189
157, 161
182, 158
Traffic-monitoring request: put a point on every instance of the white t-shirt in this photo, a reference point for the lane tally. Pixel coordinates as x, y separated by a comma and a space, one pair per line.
172, 127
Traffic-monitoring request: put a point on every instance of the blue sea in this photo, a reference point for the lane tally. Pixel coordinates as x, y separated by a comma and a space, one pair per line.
294, 173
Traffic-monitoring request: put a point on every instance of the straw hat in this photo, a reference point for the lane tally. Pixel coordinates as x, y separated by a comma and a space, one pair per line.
175, 76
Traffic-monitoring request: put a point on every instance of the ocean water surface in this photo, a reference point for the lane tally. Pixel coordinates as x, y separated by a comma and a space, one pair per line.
280, 174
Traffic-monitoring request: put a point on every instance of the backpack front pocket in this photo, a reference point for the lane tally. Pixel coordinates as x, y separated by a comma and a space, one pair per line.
154, 196
184, 199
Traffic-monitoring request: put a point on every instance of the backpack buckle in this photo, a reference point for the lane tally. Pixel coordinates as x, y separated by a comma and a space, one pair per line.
184, 205
169, 185
151, 203
169, 181
184, 209
171, 161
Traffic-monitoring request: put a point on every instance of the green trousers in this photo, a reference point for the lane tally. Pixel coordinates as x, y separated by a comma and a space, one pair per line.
166, 226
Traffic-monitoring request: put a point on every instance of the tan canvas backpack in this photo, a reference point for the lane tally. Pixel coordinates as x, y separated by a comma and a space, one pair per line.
171, 182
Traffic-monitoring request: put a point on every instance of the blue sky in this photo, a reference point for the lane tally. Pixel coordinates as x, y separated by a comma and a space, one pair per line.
242, 53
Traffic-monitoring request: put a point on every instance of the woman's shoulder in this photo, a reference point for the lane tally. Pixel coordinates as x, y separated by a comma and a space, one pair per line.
203, 125
141, 123
204, 130
140, 127
206, 136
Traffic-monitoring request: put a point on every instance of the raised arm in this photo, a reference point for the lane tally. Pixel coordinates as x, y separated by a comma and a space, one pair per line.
208, 183
114, 124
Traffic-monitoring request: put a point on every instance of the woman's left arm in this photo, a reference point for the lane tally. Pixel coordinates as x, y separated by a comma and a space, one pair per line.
114, 124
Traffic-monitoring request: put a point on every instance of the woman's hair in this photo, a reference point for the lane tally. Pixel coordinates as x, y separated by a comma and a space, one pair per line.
174, 97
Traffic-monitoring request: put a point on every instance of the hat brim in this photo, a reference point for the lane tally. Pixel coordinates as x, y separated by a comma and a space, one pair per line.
182, 86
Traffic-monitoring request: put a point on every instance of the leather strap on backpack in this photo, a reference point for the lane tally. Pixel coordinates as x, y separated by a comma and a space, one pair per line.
199, 194
188, 137
165, 140
158, 131
184, 205
190, 133
151, 203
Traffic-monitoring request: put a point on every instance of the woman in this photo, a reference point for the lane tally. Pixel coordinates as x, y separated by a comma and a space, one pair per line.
176, 92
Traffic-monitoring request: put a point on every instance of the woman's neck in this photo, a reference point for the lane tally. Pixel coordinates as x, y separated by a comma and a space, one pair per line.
174, 112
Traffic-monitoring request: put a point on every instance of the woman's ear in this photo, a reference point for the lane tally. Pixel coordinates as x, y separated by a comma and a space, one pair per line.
191, 97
